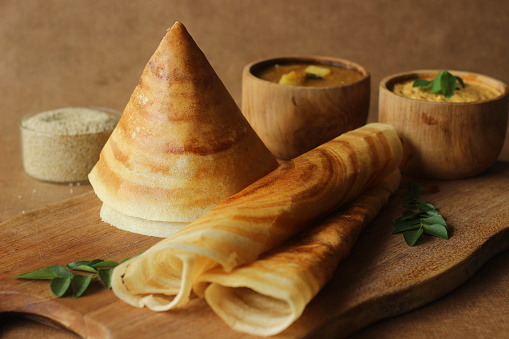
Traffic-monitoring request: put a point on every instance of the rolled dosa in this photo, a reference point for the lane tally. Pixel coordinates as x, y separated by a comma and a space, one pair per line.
260, 217
181, 146
265, 297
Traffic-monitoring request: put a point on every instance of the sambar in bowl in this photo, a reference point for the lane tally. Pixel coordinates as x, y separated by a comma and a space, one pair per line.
297, 103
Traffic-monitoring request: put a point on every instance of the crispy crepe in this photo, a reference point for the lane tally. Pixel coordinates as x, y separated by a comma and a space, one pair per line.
268, 295
181, 146
260, 217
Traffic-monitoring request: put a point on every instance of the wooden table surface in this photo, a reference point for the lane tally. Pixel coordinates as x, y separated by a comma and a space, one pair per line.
55, 53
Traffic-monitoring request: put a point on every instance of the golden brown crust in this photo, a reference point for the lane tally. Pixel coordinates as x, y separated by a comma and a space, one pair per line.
288, 277
182, 144
262, 216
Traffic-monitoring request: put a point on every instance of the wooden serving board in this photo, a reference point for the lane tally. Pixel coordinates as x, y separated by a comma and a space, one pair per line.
382, 276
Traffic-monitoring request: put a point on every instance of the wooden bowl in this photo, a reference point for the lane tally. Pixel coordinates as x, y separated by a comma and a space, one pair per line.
292, 120
445, 140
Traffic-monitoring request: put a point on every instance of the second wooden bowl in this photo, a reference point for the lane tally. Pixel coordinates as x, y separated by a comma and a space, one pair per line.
446, 140
292, 120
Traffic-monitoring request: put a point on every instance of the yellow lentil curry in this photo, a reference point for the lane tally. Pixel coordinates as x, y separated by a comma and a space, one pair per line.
473, 91
309, 75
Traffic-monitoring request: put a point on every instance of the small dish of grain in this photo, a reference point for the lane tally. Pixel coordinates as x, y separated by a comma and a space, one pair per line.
62, 145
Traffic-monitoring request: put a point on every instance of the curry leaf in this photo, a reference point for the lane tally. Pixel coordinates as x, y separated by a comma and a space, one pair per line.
96, 261
72, 265
407, 227
411, 237
419, 217
422, 83
105, 263
105, 275
50, 272
82, 265
444, 83
436, 230
62, 278
60, 285
313, 76
79, 284
435, 219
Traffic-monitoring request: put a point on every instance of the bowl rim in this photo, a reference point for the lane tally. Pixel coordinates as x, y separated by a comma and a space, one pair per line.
255, 66
109, 111
387, 82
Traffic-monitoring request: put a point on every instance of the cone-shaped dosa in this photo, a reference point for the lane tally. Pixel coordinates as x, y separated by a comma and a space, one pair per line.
181, 146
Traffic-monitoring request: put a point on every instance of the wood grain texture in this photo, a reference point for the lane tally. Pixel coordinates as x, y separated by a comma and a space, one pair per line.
446, 140
292, 120
381, 277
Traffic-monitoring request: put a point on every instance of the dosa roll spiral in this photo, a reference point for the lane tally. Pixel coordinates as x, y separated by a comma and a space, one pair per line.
260, 217
265, 297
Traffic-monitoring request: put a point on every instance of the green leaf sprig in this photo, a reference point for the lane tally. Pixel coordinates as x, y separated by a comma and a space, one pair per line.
313, 76
444, 83
419, 217
62, 279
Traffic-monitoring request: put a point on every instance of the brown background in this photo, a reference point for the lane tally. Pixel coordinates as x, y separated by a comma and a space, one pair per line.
56, 53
